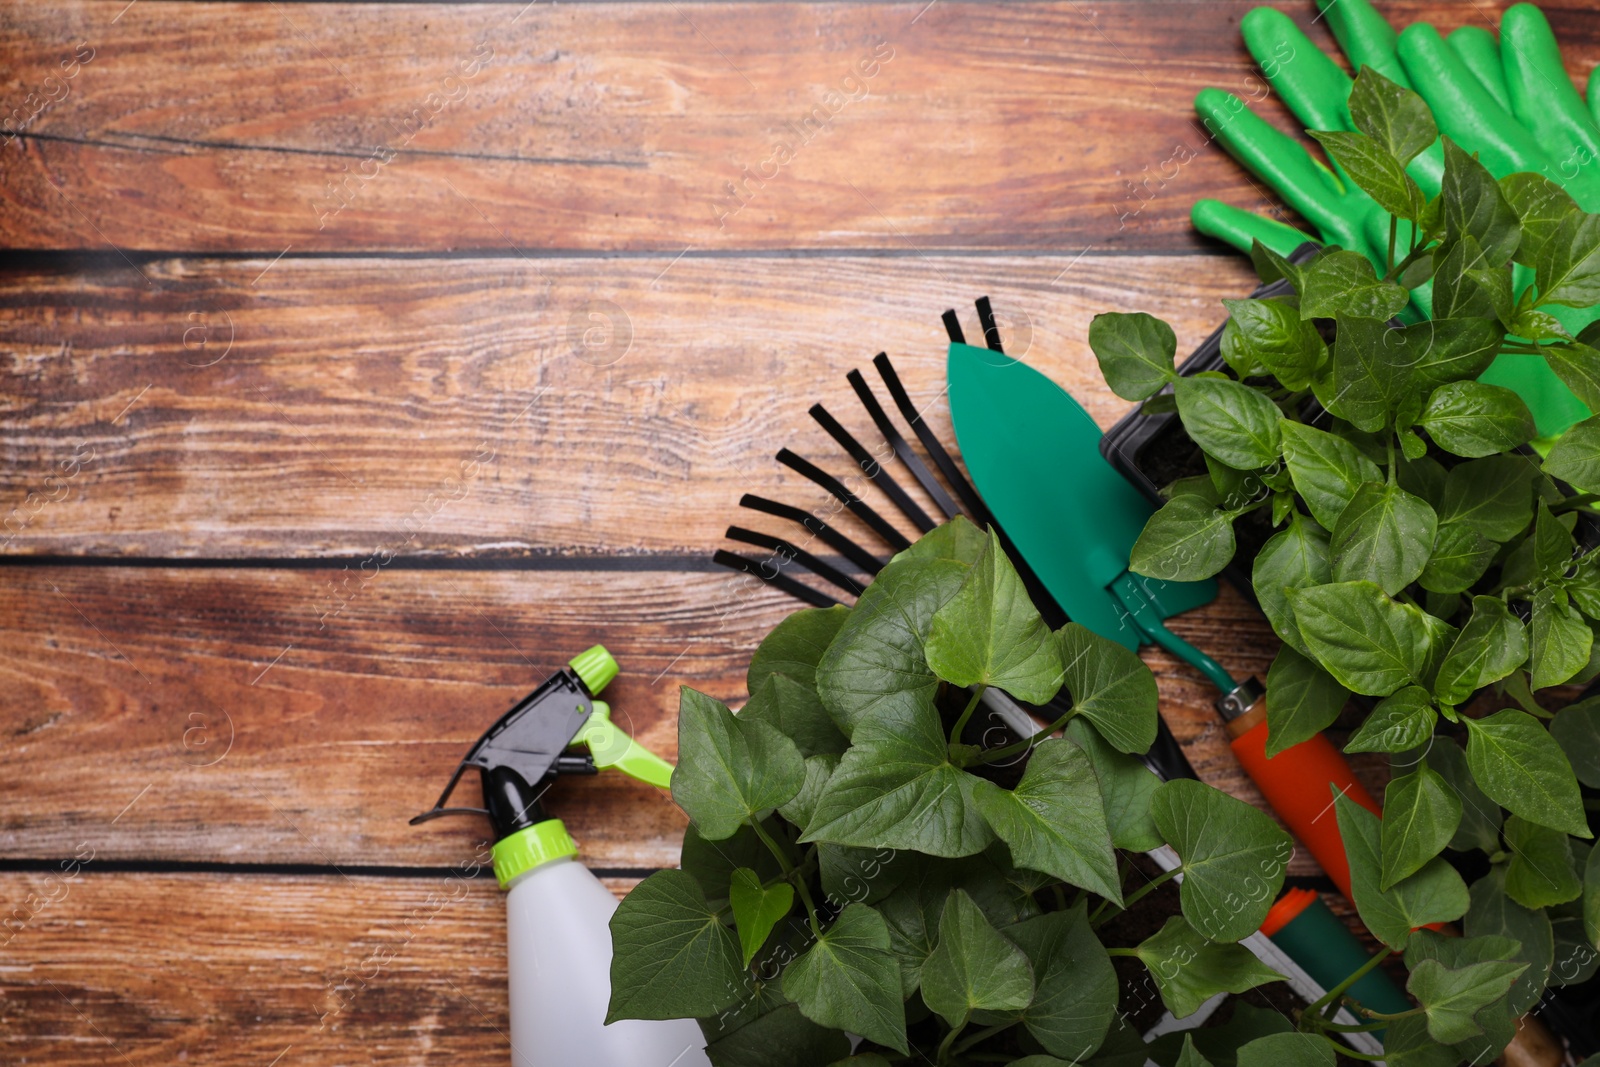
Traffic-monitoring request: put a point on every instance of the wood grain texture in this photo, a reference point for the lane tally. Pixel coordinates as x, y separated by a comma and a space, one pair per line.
144, 969
354, 392
220, 718
621, 126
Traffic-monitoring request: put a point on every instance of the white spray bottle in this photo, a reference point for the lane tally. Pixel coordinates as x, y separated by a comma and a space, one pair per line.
557, 912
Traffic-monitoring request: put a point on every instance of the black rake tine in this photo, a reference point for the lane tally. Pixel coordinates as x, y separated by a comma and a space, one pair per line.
777, 579
952, 326
858, 507
837, 541
811, 563
873, 469
902, 448
969, 496
991, 329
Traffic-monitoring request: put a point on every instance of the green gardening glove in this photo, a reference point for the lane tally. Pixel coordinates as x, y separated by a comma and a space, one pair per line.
1515, 116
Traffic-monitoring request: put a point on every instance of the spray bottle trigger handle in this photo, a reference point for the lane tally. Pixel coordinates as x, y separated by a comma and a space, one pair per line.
613, 748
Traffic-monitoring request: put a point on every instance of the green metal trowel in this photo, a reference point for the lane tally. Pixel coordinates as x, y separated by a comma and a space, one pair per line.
1034, 455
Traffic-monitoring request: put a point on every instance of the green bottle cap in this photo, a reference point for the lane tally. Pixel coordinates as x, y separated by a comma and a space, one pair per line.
595, 667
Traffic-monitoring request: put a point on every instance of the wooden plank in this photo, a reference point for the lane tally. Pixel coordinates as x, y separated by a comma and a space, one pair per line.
215, 716
614, 127
360, 407
147, 969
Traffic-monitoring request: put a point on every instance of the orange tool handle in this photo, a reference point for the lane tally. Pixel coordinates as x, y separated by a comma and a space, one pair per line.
1295, 783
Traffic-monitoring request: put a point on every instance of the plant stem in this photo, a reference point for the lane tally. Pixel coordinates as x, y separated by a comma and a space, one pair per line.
981, 1036
772, 846
1027, 742
942, 1056
1122, 952
1416, 253
1573, 503
1394, 233
1392, 470
1390, 1018
1149, 887
1331, 997
811, 909
966, 714
794, 876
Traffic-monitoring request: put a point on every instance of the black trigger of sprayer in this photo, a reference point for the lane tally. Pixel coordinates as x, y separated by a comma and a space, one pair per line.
523, 752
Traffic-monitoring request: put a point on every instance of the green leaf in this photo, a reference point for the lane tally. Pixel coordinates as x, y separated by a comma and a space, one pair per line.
852, 875
1270, 266
989, 633
1493, 496
1420, 815
875, 668
795, 647
848, 979
1561, 639
1480, 816
1392, 115
973, 968
1591, 897
1373, 372
1230, 420
1220, 1043
1576, 960
819, 769
1567, 268
1552, 544
1492, 645
712, 863
1233, 855
1053, 820
1473, 204
1135, 353
1467, 285
1269, 336
1294, 559
1400, 723
1460, 557
1519, 766
1186, 541
1495, 1018
673, 958
1378, 173
1575, 459
1578, 367
1452, 997
1541, 205
781, 1037
1189, 970
1541, 871
1126, 786
1343, 285
1494, 913
1436, 893
1369, 643
1075, 998
1530, 322
1111, 687
1384, 536
1473, 419
756, 909
1190, 1056
1576, 729
795, 711
896, 788
1326, 469
1302, 700
1301, 1050
730, 770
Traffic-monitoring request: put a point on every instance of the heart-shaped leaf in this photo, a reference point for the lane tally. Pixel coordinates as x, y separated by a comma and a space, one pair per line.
1189, 970
756, 909
848, 979
1076, 987
1451, 998
1110, 686
673, 958
973, 968
1126, 786
730, 770
989, 633
1053, 821
1234, 856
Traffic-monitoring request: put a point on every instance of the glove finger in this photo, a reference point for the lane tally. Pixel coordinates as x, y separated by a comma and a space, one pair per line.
1464, 109
1313, 86
1480, 53
1366, 37
1545, 100
1240, 228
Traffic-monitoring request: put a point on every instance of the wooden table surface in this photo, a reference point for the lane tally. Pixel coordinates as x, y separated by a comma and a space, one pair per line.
360, 363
